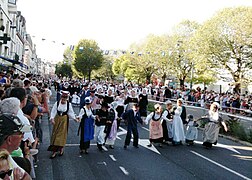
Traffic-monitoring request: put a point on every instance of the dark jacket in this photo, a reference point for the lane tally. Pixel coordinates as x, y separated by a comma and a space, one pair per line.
131, 119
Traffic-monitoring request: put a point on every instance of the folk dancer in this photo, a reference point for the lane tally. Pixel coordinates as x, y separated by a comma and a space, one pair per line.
191, 130
86, 128
132, 116
100, 123
212, 128
111, 126
177, 125
167, 123
61, 112
155, 125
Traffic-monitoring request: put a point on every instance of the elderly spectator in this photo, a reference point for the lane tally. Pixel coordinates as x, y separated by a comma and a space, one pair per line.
12, 131
10, 105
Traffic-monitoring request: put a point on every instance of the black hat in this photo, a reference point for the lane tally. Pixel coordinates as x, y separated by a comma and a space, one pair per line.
104, 104
10, 124
92, 91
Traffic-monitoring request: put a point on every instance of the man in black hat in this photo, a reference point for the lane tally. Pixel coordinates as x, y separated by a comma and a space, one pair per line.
132, 116
11, 134
85, 92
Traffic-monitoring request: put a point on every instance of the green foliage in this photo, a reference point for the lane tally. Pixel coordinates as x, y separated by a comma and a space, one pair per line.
87, 57
225, 42
105, 72
236, 129
64, 70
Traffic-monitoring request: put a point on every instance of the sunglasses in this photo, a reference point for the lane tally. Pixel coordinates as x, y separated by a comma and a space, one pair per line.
3, 174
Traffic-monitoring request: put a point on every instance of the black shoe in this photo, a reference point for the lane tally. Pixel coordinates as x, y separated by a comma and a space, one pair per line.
149, 145
136, 146
86, 151
125, 147
81, 151
53, 156
111, 147
61, 153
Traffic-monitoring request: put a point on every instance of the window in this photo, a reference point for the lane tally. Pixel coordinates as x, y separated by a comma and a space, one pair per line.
12, 2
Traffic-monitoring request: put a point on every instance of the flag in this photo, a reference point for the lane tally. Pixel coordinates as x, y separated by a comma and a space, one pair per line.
71, 47
107, 52
43, 39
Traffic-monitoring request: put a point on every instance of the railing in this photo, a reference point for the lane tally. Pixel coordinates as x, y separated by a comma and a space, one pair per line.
196, 105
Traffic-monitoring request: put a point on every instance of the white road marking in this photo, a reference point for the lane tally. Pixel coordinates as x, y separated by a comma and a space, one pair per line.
124, 170
79, 144
145, 129
112, 157
102, 163
218, 164
228, 147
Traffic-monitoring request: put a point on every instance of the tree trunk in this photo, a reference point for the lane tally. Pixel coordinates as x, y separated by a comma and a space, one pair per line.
89, 75
181, 82
148, 78
164, 77
237, 88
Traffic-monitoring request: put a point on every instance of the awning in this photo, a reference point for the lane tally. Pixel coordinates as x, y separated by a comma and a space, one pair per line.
10, 60
20, 70
24, 65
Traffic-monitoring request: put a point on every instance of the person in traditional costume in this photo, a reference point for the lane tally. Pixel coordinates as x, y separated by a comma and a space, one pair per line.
85, 92
111, 126
178, 134
109, 98
211, 130
86, 128
167, 123
95, 101
100, 123
61, 112
155, 125
191, 130
143, 102
75, 99
132, 116
131, 100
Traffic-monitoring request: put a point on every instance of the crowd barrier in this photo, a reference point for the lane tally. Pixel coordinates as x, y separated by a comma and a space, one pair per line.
193, 105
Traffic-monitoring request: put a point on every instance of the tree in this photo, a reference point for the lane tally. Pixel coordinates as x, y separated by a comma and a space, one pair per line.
87, 57
63, 70
105, 72
181, 59
225, 41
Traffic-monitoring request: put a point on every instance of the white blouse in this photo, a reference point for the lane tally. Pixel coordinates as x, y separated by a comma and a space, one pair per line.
149, 117
89, 113
62, 108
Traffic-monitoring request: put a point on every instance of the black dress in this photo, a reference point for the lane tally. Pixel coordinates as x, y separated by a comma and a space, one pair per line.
143, 102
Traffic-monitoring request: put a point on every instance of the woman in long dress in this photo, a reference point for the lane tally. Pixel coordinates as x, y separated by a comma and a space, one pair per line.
155, 125
61, 112
212, 128
86, 127
177, 125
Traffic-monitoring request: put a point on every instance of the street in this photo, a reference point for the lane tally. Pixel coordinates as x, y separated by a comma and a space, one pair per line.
227, 160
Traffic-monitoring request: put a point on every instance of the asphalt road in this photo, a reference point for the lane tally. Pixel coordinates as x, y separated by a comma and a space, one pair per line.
228, 160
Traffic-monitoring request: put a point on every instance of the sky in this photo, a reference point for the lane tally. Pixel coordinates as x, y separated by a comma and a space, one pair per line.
113, 24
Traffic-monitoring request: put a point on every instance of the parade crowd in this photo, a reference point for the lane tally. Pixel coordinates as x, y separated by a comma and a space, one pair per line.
103, 108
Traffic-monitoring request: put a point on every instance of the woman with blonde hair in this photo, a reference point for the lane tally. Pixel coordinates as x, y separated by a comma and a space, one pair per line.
6, 172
